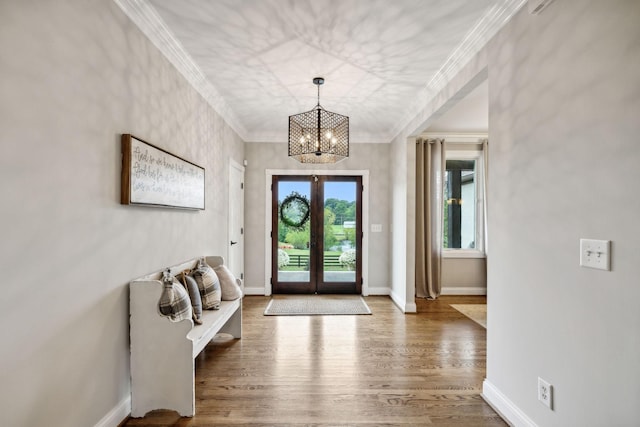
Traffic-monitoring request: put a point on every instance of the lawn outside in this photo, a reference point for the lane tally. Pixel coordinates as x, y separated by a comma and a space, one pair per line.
298, 259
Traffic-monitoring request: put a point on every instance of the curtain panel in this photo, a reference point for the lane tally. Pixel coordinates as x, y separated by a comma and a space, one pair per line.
430, 167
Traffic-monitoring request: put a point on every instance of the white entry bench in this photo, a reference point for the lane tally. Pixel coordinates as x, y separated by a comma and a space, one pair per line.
163, 351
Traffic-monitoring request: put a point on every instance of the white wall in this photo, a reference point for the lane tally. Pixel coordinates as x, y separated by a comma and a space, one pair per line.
74, 75
564, 124
401, 237
371, 157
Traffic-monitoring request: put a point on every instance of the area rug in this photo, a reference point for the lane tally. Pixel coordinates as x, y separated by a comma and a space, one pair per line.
316, 305
475, 312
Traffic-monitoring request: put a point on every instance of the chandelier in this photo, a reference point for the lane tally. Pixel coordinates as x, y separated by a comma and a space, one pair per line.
318, 136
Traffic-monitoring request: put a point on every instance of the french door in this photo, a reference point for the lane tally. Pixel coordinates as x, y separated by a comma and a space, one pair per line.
316, 234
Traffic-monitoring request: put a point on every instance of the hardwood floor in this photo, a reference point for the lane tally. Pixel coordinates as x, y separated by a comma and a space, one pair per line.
387, 369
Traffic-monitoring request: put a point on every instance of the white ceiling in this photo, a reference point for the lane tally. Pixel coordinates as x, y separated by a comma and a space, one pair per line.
383, 60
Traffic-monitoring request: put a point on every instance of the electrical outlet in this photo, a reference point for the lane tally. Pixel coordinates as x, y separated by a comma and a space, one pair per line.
545, 393
595, 253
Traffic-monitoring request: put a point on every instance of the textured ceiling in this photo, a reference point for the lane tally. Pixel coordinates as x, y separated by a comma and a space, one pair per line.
254, 60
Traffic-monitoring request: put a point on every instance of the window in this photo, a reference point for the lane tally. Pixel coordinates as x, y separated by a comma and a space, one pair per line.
463, 221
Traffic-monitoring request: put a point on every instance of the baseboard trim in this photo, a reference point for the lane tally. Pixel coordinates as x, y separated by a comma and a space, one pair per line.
463, 290
254, 291
505, 407
397, 301
379, 291
404, 306
117, 414
410, 307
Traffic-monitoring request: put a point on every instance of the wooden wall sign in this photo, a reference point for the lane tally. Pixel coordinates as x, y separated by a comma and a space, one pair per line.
152, 176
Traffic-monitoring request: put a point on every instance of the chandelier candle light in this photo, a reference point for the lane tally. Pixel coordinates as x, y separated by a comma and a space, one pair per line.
318, 136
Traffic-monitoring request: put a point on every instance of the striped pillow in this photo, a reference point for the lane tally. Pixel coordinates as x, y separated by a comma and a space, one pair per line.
174, 301
194, 294
209, 286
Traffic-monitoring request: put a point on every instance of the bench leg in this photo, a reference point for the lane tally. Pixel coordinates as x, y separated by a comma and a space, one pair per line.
165, 380
234, 324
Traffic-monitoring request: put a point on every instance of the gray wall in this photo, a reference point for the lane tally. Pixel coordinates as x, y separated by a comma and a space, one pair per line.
371, 157
464, 276
564, 125
74, 75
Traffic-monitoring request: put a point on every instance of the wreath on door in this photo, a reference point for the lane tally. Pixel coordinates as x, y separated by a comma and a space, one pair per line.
295, 211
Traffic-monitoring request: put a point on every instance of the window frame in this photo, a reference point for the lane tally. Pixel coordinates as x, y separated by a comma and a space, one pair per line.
451, 153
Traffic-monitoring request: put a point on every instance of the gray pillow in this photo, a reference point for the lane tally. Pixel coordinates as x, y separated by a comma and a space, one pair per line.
194, 294
174, 301
230, 288
209, 286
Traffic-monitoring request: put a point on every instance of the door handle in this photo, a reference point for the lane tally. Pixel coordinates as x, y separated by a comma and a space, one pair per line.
233, 243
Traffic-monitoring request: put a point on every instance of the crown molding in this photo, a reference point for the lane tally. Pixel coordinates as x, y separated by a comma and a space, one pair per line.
151, 24
485, 28
462, 137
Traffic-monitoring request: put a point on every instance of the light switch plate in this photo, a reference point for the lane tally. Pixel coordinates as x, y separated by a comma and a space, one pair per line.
376, 228
595, 254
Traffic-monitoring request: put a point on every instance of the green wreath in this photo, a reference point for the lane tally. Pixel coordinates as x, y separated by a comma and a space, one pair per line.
295, 211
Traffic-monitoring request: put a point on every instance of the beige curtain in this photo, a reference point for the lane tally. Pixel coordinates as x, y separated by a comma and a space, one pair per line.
430, 165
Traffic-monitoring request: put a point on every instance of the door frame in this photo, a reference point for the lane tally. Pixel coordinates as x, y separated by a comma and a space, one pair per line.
317, 282
269, 173
230, 235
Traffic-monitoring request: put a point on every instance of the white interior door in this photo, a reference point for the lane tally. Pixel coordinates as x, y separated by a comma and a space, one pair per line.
236, 219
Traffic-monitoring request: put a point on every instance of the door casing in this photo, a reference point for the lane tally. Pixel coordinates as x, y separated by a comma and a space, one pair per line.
236, 219
317, 283
269, 173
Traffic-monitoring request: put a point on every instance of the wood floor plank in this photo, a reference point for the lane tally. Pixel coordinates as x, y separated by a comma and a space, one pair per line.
387, 369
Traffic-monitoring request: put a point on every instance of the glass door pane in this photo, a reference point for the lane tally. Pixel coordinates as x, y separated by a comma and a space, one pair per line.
340, 223
339, 257
294, 231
